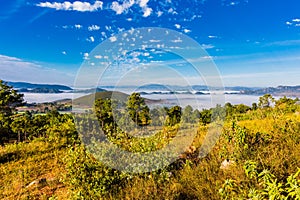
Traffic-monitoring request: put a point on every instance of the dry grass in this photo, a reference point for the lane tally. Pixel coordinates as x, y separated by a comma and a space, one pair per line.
24, 163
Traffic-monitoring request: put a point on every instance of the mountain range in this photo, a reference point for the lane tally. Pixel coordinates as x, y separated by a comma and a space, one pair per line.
293, 91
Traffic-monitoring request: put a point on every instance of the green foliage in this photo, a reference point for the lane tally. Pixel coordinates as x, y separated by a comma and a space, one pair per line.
263, 144
228, 188
104, 112
87, 177
266, 185
205, 116
138, 110
9, 100
266, 101
174, 115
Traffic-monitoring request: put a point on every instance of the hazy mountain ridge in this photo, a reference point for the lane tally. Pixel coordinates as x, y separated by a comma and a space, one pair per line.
25, 85
160, 89
279, 91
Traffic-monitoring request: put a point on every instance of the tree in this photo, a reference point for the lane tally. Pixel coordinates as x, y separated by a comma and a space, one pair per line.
205, 116
254, 106
174, 115
155, 117
266, 101
104, 112
229, 109
187, 114
241, 108
286, 104
22, 125
9, 100
196, 116
138, 110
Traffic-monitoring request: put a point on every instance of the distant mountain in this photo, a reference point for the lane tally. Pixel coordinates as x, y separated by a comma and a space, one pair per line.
92, 90
293, 91
40, 90
24, 85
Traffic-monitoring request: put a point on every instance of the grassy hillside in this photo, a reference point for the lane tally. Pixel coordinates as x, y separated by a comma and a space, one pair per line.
89, 99
39, 163
256, 157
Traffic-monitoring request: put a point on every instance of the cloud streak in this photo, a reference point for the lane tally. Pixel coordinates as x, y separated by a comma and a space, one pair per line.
127, 4
15, 69
75, 6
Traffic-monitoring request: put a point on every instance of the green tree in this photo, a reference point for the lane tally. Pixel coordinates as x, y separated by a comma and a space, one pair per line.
187, 114
196, 116
9, 100
138, 110
22, 125
229, 109
266, 101
254, 106
104, 112
241, 108
174, 115
155, 117
205, 116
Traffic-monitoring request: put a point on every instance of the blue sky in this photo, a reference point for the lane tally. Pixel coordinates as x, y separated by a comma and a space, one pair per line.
252, 42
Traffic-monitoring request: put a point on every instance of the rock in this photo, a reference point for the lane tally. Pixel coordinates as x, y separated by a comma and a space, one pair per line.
227, 164
37, 182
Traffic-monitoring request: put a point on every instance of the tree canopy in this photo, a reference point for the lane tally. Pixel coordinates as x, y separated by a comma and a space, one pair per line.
9, 100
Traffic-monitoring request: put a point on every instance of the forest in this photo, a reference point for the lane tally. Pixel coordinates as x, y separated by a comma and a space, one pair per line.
253, 152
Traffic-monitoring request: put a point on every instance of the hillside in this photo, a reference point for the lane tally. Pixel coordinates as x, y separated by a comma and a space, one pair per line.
292, 91
33, 170
89, 99
257, 155
25, 85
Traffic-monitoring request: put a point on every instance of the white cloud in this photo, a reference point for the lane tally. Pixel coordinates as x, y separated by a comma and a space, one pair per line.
113, 39
172, 11
288, 23
212, 36
91, 39
85, 56
64, 52
178, 26
296, 20
147, 11
120, 8
285, 43
75, 6
207, 46
177, 40
187, 31
159, 13
15, 69
127, 4
78, 26
143, 3
94, 28
98, 56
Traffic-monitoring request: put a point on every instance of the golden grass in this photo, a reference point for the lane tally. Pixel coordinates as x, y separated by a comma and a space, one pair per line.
24, 163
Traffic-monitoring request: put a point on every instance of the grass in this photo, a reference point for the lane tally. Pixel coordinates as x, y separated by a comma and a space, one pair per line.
275, 144
24, 163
